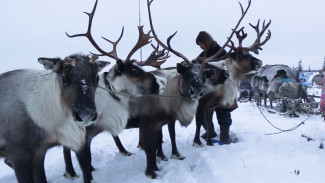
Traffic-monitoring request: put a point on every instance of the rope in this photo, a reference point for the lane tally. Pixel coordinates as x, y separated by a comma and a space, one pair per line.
281, 130
127, 95
140, 25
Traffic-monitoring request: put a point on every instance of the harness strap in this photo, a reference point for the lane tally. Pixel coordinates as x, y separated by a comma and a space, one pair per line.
110, 87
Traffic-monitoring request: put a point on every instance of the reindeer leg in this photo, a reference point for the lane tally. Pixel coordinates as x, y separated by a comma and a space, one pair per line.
120, 146
140, 143
175, 153
88, 151
199, 118
69, 170
38, 166
84, 162
209, 125
160, 153
149, 139
23, 166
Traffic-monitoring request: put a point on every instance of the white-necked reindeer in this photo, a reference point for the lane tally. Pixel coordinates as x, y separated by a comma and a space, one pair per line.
178, 101
42, 109
125, 81
174, 105
239, 63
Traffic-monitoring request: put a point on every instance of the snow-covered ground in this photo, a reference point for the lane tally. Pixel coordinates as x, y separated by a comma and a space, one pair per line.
256, 158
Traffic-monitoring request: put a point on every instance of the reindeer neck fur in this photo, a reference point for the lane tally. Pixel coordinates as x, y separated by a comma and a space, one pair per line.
112, 113
48, 113
183, 108
229, 90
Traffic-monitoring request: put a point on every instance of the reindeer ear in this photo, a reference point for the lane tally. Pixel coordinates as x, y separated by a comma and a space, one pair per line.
232, 55
101, 64
181, 68
51, 63
119, 67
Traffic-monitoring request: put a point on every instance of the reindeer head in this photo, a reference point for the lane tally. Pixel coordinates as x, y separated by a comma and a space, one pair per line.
244, 62
78, 77
191, 84
193, 74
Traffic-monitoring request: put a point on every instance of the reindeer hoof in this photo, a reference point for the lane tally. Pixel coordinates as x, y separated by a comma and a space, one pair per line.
140, 147
70, 176
178, 156
126, 153
159, 158
195, 144
151, 174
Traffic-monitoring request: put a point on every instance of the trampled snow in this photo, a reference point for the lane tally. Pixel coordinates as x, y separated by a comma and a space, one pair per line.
255, 158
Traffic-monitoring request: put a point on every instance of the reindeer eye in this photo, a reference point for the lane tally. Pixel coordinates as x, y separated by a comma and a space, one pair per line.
135, 71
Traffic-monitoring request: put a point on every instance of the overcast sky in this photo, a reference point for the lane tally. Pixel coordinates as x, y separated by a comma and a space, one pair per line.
36, 28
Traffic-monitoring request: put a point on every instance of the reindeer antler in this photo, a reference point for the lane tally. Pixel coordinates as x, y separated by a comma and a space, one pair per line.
214, 57
169, 48
143, 40
114, 51
257, 43
156, 58
91, 39
241, 35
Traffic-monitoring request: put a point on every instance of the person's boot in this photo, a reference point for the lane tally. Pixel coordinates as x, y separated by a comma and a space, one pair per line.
224, 134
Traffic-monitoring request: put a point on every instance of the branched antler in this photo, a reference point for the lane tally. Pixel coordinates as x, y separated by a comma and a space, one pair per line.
156, 58
143, 40
89, 36
114, 51
214, 57
241, 35
169, 48
257, 43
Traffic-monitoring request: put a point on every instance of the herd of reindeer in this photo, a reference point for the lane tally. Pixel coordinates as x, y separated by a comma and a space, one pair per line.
71, 102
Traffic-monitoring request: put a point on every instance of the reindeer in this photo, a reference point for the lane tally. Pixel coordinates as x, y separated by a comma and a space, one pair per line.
178, 101
239, 63
42, 109
213, 75
123, 83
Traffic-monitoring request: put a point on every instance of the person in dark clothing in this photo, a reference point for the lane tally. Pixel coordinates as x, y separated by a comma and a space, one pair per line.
210, 47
